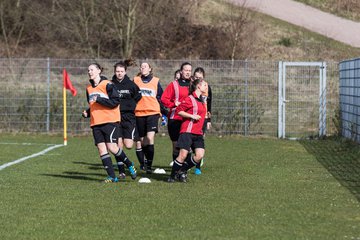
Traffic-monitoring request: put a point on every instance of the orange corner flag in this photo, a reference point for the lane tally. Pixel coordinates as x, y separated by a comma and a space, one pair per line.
68, 84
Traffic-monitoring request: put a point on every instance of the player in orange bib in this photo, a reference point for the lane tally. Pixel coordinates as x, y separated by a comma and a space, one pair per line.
147, 112
104, 116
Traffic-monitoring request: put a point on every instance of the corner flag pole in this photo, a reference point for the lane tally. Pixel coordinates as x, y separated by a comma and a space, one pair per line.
66, 85
65, 123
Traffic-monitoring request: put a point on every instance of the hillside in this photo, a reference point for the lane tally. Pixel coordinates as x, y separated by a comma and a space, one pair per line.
164, 29
349, 9
275, 39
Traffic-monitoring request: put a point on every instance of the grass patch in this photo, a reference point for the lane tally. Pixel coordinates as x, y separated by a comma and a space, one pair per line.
251, 188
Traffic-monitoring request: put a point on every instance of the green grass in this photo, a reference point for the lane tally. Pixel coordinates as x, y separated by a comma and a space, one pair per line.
251, 188
341, 8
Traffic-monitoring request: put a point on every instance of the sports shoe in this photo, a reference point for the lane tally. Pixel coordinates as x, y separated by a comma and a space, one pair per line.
171, 163
111, 180
197, 171
148, 170
183, 177
171, 180
132, 171
122, 176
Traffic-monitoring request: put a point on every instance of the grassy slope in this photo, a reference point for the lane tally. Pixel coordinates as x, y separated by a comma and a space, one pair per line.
334, 7
251, 189
269, 32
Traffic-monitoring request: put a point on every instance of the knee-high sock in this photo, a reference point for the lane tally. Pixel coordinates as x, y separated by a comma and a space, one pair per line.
107, 163
188, 164
175, 168
175, 155
140, 156
198, 165
120, 156
149, 154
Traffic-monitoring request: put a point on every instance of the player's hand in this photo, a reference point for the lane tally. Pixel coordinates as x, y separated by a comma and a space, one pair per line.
195, 117
84, 114
163, 120
177, 103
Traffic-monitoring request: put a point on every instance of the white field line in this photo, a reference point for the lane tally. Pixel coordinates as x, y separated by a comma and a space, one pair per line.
30, 156
12, 143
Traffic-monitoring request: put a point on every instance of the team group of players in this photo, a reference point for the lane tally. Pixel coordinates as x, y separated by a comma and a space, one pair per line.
185, 102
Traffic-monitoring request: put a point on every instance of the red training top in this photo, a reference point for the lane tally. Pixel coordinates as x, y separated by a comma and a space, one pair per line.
192, 105
175, 91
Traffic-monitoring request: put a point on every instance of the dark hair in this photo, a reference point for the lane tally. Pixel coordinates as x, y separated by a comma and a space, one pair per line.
125, 64
184, 64
97, 66
193, 84
177, 72
199, 70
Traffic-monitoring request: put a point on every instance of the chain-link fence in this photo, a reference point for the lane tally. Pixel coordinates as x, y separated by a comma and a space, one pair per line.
350, 98
245, 94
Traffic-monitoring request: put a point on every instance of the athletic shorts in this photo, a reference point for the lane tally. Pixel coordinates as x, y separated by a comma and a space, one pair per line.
107, 133
147, 124
190, 141
174, 129
127, 127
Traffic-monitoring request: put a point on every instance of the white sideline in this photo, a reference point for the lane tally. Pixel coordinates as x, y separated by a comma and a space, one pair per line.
30, 156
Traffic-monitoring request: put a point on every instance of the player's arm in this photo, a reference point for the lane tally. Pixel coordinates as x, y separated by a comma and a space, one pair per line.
113, 100
167, 98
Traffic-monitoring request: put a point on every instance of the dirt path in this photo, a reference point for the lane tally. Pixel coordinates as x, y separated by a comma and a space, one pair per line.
329, 25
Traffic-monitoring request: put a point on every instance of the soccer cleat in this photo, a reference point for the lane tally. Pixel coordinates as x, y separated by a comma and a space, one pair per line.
148, 170
111, 180
171, 180
171, 163
183, 177
197, 171
132, 171
122, 176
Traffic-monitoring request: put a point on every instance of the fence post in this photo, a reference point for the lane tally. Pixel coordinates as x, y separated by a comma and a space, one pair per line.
246, 121
48, 97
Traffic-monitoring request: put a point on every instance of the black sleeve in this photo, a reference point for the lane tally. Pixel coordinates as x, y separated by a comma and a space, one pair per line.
160, 91
114, 99
137, 93
209, 99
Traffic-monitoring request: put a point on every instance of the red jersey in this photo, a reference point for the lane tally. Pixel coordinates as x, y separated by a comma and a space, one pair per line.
175, 91
192, 105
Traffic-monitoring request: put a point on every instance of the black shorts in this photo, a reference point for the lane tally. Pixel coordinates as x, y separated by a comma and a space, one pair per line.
147, 124
107, 133
174, 129
127, 128
190, 141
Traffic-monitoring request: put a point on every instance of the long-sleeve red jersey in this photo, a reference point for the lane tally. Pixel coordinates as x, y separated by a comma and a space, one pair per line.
192, 105
177, 90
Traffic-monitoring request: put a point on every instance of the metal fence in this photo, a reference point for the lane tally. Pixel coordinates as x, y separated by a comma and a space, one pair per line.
245, 94
350, 98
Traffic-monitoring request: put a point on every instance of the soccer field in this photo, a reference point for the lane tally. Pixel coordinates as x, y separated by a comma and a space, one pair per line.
251, 188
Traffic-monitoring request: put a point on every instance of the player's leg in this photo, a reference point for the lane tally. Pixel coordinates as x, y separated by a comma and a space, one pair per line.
183, 144
105, 157
152, 123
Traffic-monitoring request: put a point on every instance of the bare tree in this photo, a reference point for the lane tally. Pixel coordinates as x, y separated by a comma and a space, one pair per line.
124, 16
12, 23
236, 23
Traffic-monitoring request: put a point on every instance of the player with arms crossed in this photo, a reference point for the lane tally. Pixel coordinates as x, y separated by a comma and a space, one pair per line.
104, 116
